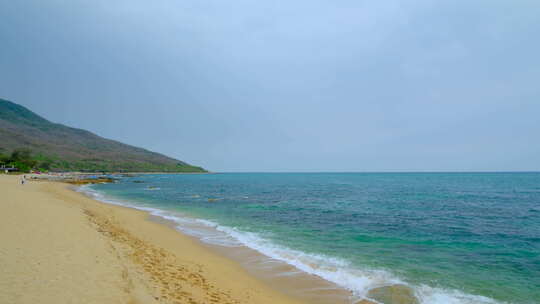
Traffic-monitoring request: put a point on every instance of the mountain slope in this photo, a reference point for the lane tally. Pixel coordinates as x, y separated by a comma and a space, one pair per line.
68, 148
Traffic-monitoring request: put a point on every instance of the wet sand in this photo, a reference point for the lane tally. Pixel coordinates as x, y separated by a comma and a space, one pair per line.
279, 275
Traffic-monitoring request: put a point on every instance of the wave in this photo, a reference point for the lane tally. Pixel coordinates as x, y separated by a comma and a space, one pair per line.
338, 271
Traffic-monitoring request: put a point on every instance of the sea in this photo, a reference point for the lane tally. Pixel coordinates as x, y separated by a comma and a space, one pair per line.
454, 238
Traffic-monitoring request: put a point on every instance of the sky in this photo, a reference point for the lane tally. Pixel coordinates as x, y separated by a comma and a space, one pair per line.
296, 85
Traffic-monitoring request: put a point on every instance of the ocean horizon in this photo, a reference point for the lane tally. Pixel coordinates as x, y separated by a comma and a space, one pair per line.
452, 237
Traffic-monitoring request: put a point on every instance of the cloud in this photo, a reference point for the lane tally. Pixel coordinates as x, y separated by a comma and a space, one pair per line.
281, 85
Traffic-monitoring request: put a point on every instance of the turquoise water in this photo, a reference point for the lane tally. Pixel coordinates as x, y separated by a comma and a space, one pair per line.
453, 237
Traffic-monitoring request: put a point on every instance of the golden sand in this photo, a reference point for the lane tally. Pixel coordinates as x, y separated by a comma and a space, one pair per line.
58, 246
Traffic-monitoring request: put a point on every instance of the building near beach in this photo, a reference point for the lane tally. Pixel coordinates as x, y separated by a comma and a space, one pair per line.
6, 169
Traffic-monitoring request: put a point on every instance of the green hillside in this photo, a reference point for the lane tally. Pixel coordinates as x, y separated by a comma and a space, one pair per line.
62, 148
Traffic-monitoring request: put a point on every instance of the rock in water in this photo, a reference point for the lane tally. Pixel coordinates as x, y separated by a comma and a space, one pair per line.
394, 294
365, 302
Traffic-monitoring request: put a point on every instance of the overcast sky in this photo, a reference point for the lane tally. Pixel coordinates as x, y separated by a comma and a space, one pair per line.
296, 85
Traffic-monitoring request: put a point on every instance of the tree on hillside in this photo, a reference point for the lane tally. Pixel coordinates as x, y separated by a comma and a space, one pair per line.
21, 155
45, 165
22, 159
4, 159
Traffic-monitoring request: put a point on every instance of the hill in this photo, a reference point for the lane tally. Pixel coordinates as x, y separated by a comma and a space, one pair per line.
69, 149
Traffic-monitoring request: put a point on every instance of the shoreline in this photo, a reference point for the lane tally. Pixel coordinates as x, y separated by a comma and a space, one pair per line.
279, 275
133, 254
345, 287
109, 254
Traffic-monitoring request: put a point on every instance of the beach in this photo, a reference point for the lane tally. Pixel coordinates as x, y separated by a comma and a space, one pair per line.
59, 246
321, 238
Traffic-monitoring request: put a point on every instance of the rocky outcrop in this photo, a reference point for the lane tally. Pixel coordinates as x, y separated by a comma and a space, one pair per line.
84, 181
365, 302
393, 294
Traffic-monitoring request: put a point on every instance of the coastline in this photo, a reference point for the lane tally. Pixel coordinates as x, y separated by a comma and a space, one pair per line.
116, 251
279, 274
109, 254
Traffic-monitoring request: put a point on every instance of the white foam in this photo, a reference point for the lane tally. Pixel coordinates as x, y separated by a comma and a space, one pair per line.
335, 270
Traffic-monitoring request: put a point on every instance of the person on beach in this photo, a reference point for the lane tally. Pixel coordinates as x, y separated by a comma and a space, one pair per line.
22, 180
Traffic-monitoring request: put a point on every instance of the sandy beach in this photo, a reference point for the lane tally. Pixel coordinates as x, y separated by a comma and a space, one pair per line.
59, 246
